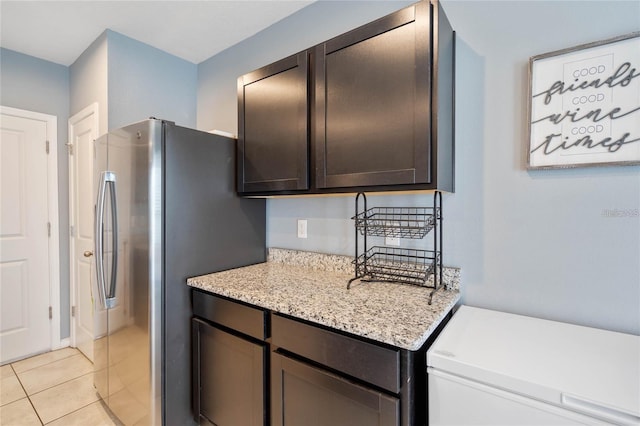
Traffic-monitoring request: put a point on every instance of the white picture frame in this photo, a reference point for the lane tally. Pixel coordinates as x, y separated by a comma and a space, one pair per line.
584, 105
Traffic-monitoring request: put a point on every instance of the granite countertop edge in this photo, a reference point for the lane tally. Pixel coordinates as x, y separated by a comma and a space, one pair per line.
312, 287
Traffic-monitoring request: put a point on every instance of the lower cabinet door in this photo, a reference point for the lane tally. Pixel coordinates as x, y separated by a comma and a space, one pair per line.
228, 377
303, 395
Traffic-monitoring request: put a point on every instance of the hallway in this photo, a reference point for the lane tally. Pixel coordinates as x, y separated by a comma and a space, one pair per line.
54, 388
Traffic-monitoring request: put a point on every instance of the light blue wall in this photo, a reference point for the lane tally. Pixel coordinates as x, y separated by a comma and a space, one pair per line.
88, 81
130, 81
534, 243
217, 76
147, 82
36, 85
549, 250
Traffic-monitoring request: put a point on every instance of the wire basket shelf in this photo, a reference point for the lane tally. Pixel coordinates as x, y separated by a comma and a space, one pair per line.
397, 222
400, 265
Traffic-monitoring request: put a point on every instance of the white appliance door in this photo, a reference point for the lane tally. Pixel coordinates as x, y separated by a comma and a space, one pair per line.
455, 400
584, 370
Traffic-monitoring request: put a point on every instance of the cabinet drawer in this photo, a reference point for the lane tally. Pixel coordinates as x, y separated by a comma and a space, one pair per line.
239, 317
373, 364
301, 392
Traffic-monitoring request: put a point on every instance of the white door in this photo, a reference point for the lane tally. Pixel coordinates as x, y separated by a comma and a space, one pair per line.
83, 130
25, 326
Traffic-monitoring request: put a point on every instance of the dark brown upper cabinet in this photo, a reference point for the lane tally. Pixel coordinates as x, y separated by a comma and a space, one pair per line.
372, 94
380, 111
273, 137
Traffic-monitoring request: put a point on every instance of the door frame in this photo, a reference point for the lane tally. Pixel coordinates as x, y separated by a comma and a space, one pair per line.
73, 120
51, 122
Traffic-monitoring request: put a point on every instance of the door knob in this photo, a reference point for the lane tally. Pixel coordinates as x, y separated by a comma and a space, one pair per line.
88, 253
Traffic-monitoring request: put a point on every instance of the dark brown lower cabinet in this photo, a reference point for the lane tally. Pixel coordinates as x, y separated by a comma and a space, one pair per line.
305, 395
229, 362
230, 373
255, 367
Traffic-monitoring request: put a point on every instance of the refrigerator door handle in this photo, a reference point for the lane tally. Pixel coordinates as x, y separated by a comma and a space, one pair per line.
111, 296
105, 177
98, 239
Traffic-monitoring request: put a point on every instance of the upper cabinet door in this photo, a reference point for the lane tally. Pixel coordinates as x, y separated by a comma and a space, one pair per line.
273, 139
372, 106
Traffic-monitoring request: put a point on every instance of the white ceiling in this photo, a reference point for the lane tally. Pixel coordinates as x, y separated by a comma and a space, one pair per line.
59, 31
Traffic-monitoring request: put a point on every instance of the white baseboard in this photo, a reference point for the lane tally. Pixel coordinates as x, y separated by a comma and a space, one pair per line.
63, 343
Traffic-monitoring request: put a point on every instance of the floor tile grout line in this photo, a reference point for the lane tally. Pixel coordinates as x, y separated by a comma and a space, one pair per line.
35, 411
46, 363
42, 390
85, 356
51, 387
61, 383
70, 412
27, 395
2, 404
20, 382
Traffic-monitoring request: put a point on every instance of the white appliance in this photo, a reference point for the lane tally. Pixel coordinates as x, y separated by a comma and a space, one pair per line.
495, 368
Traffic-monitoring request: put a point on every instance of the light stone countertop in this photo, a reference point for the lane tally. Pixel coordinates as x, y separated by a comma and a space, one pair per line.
395, 314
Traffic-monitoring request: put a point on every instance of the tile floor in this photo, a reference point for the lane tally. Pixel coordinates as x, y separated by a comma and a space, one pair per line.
55, 388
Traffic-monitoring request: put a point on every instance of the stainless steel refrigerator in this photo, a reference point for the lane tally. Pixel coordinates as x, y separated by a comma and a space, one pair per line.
166, 210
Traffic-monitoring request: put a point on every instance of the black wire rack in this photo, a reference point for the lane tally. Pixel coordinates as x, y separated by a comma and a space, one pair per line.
394, 264
397, 264
400, 222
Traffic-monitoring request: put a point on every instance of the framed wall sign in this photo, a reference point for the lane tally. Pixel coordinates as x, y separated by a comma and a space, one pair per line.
584, 105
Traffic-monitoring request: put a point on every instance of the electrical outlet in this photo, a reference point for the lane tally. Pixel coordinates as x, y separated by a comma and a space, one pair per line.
392, 241
302, 228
